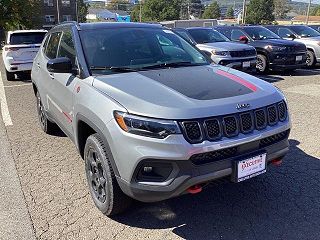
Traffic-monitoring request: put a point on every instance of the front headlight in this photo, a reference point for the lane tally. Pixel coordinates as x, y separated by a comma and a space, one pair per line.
275, 48
144, 126
220, 53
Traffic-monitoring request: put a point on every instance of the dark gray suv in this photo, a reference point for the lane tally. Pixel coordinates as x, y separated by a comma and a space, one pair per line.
149, 114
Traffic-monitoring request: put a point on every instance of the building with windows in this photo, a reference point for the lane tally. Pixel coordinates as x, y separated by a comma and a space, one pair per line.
57, 11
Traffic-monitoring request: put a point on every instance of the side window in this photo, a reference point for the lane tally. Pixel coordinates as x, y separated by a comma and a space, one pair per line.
236, 34
45, 43
185, 36
66, 47
284, 32
52, 47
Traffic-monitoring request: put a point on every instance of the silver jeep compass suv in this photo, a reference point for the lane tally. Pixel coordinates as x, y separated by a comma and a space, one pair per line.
149, 114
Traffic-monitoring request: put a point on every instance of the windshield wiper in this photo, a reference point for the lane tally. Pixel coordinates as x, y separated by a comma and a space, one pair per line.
172, 64
113, 69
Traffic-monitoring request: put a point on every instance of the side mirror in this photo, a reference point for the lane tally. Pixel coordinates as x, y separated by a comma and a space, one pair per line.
244, 39
292, 36
2, 44
60, 65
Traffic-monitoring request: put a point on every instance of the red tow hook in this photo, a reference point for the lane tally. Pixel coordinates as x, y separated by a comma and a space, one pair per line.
194, 189
276, 162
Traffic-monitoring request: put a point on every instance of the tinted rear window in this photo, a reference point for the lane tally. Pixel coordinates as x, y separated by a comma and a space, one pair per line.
27, 38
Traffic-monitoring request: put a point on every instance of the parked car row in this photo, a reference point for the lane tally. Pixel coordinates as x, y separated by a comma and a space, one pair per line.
271, 48
285, 47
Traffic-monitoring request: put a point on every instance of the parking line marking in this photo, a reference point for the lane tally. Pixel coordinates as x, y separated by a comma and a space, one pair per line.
18, 85
4, 105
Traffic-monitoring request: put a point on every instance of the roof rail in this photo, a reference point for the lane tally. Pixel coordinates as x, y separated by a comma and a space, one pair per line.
75, 23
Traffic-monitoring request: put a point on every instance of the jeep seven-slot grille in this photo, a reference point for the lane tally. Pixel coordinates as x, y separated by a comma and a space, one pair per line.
244, 53
228, 153
213, 129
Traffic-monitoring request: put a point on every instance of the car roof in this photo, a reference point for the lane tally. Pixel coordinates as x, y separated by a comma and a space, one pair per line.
28, 31
104, 25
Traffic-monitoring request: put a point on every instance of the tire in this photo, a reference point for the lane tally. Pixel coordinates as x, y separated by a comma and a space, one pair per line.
311, 59
262, 63
103, 186
10, 76
46, 126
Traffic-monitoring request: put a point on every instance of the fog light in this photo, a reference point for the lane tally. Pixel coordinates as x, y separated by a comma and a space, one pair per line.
153, 171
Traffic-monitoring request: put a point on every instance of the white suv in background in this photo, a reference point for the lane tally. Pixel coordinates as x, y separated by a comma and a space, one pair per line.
20, 49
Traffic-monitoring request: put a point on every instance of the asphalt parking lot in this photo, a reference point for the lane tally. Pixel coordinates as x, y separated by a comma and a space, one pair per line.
284, 203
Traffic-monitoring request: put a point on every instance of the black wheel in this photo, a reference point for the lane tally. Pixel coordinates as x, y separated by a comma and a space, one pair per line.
103, 185
311, 59
45, 124
262, 63
10, 76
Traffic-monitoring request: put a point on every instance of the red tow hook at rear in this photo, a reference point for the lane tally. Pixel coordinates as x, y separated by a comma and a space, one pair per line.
194, 189
276, 162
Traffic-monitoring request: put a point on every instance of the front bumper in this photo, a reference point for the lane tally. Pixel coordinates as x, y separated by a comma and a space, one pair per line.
131, 151
287, 60
239, 64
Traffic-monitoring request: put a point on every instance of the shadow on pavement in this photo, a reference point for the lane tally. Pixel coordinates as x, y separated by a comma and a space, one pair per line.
284, 203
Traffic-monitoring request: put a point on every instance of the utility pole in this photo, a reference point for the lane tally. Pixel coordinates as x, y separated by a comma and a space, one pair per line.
140, 12
308, 12
244, 12
77, 16
58, 11
188, 10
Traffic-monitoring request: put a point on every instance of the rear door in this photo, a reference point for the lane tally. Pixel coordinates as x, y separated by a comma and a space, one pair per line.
45, 79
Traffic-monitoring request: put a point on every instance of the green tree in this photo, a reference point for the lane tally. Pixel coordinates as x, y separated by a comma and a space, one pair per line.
19, 14
135, 13
160, 10
281, 8
260, 12
212, 11
82, 11
230, 12
316, 11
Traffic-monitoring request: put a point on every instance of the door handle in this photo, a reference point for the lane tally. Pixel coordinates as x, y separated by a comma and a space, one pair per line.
51, 75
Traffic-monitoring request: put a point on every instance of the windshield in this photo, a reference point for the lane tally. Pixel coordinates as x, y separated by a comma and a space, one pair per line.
26, 38
304, 31
124, 49
260, 33
207, 36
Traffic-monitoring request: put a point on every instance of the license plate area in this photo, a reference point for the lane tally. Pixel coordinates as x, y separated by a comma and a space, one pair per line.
298, 58
249, 167
246, 64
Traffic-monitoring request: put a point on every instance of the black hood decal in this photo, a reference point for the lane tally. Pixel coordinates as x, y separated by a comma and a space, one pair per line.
201, 83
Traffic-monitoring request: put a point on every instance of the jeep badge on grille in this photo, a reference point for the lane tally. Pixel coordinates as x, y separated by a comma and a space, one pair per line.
243, 106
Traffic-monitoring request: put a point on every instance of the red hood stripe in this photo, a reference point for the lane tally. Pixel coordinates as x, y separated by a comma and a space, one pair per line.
237, 79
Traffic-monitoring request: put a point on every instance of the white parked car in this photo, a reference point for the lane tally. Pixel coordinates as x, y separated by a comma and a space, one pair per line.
20, 49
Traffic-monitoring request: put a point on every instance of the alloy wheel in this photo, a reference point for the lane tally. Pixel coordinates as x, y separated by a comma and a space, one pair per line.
96, 173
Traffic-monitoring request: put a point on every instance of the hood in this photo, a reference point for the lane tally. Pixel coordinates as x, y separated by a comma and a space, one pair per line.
225, 46
187, 92
309, 39
279, 42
